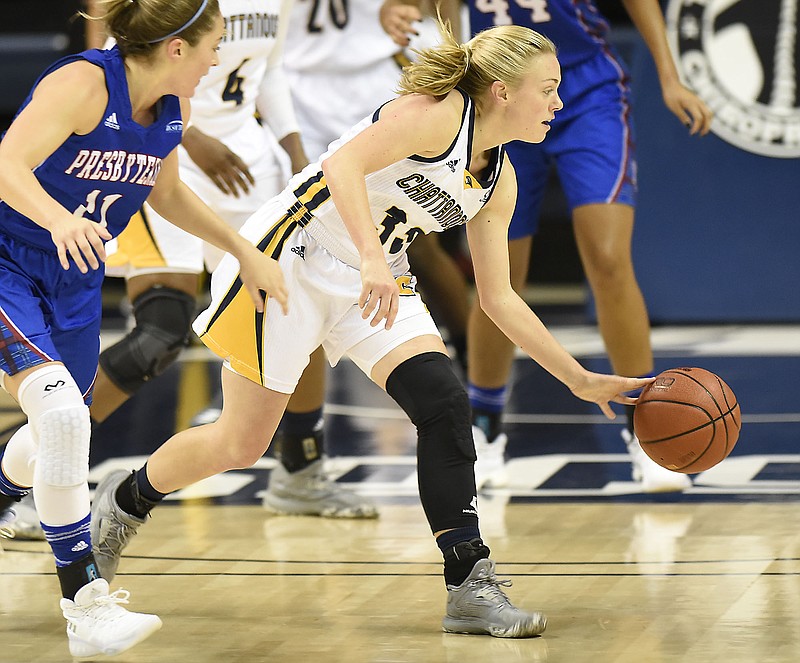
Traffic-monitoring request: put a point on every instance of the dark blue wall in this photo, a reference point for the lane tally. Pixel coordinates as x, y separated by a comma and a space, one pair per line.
718, 229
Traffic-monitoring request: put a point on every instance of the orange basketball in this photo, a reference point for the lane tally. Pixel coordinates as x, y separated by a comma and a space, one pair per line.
687, 420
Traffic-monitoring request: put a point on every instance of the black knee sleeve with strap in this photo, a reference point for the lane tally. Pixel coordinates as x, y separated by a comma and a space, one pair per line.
431, 394
163, 323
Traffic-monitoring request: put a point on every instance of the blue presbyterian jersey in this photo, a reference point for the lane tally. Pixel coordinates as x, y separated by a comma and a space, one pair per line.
576, 27
106, 174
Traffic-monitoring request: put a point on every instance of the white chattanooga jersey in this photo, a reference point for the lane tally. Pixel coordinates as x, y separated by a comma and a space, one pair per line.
225, 102
414, 196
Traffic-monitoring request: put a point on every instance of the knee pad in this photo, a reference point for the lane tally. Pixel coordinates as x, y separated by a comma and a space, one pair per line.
433, 397
163, 323
431, 394
60, 421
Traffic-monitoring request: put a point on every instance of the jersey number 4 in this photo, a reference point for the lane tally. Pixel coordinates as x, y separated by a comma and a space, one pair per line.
499, 8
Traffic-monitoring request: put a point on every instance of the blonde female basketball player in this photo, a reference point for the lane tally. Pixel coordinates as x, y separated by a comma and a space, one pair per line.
424, 162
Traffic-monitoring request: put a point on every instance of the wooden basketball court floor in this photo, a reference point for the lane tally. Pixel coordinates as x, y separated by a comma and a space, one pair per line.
709, 575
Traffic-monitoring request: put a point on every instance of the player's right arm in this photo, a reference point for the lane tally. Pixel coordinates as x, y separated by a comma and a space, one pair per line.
70, 100
411, 124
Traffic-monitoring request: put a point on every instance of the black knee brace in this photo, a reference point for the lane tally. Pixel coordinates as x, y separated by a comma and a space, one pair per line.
163, 322
428, 390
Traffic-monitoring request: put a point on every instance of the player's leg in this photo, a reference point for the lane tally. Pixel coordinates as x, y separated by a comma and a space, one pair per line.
162, 265
299, 484
51, 453
603, 236
598, 175
163, 309
236, 440
252, 405
445, 289
410, 362
491, 357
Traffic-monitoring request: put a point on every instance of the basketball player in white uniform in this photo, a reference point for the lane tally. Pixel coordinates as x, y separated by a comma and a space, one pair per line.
427, 161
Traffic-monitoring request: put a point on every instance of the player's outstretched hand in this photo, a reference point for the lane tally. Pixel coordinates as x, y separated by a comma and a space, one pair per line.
262, 274
690, 109
602, 389
379, 292
397, 20
223, 166
82, 240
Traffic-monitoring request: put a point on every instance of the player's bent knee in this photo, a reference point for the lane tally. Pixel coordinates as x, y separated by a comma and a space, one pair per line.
428, 390
60, 418
163, 325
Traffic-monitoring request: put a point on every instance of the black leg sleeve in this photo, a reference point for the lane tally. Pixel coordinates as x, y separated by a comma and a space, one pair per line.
428, 390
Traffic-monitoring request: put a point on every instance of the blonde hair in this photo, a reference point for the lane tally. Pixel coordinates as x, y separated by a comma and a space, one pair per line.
502, 53
139, 26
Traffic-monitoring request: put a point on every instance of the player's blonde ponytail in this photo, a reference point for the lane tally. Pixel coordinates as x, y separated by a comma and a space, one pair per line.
503, 53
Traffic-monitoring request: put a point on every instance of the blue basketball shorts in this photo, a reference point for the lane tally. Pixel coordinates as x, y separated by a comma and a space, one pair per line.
48, 313
590, 144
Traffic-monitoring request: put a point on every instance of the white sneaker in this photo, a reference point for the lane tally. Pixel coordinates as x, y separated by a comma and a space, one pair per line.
490, 468
98, 624
653, 477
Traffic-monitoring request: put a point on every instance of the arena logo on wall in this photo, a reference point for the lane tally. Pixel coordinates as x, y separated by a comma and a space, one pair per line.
743, 58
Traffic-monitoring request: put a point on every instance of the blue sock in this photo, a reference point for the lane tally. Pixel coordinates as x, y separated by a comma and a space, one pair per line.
8, 487
487, 399
451, 538
487, 409
69, 542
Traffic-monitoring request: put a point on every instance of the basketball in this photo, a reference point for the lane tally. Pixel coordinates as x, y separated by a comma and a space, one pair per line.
687, 420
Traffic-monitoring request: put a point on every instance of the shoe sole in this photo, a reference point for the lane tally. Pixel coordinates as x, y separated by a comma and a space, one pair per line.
283, 507
80, 649
478, 627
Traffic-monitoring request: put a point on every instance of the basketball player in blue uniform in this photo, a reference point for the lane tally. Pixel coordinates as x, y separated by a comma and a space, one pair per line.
95, 138
429, 160
591, 146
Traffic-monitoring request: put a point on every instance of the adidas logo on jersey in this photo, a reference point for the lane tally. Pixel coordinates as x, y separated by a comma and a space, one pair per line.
452, 164
300, 250
111, 122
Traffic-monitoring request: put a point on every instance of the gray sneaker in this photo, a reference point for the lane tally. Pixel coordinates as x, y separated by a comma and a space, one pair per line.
309, 492
112, 528
478, 606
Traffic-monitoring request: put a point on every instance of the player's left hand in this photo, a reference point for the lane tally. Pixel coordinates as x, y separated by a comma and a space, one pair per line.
262, 274
397, 20
604, 389
690, 109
